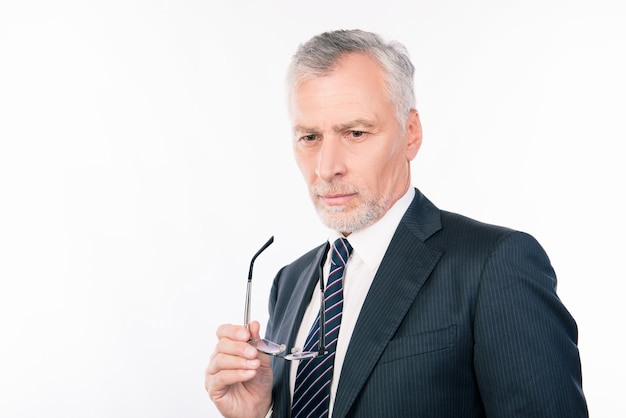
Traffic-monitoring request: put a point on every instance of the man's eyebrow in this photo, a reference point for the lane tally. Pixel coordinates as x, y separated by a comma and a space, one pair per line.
305, 129
357, 123
342, 127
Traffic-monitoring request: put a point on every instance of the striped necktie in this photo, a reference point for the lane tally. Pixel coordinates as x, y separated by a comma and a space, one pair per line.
312, 391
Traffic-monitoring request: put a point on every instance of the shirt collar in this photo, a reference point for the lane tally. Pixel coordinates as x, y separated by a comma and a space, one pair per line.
371, 242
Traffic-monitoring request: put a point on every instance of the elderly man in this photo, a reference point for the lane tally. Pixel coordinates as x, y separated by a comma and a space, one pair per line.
426, 313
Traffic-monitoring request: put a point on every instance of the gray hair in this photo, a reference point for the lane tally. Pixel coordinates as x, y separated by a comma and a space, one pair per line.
319, 56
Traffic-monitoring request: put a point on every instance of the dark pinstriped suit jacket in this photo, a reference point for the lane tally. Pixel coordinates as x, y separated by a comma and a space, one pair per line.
462, 320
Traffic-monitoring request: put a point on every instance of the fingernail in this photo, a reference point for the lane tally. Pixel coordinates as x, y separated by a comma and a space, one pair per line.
250, 351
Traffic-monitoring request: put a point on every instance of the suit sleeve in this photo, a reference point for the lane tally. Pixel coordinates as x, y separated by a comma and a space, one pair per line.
525, 351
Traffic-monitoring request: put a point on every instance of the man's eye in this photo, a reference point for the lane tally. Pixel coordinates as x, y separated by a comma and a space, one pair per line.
309, 138
357, 134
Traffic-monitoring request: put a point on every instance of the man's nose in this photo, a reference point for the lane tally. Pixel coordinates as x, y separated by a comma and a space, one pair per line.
330, 159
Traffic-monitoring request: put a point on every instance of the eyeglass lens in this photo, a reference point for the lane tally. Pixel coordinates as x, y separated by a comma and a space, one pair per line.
276, 349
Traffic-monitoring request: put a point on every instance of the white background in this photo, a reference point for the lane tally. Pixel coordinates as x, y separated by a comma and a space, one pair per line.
145, 156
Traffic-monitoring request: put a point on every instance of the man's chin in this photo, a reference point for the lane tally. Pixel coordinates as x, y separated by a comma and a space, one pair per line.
333, 210
348, 219
337, 218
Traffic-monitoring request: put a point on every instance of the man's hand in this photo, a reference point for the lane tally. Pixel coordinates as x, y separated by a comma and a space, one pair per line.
239, 378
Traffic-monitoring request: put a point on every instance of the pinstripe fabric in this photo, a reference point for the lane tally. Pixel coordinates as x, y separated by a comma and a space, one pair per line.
312, 390
461, 320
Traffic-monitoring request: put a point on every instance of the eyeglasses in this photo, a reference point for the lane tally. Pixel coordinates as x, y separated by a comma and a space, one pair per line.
276, 349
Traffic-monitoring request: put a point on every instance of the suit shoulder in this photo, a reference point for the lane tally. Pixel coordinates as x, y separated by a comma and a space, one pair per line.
459, 222
460, 230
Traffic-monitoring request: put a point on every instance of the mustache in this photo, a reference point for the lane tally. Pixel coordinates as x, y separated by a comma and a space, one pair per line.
332, 189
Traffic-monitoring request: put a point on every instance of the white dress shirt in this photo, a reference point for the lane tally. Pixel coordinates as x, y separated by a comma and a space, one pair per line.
368, 248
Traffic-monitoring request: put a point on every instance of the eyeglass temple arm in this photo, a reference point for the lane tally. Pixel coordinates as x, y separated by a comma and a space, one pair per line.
246, 314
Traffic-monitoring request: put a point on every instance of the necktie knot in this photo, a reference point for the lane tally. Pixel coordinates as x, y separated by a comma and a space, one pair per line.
341, 251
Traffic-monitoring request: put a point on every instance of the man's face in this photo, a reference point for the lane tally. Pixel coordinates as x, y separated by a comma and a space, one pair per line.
348, 144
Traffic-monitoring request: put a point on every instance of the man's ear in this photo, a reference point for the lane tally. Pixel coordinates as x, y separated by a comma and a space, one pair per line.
414, 134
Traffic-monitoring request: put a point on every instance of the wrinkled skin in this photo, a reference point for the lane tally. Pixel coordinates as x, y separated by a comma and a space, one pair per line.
239, 378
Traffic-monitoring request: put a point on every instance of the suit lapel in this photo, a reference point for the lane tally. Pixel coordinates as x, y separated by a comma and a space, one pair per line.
287, 328
405, 268
303, 289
